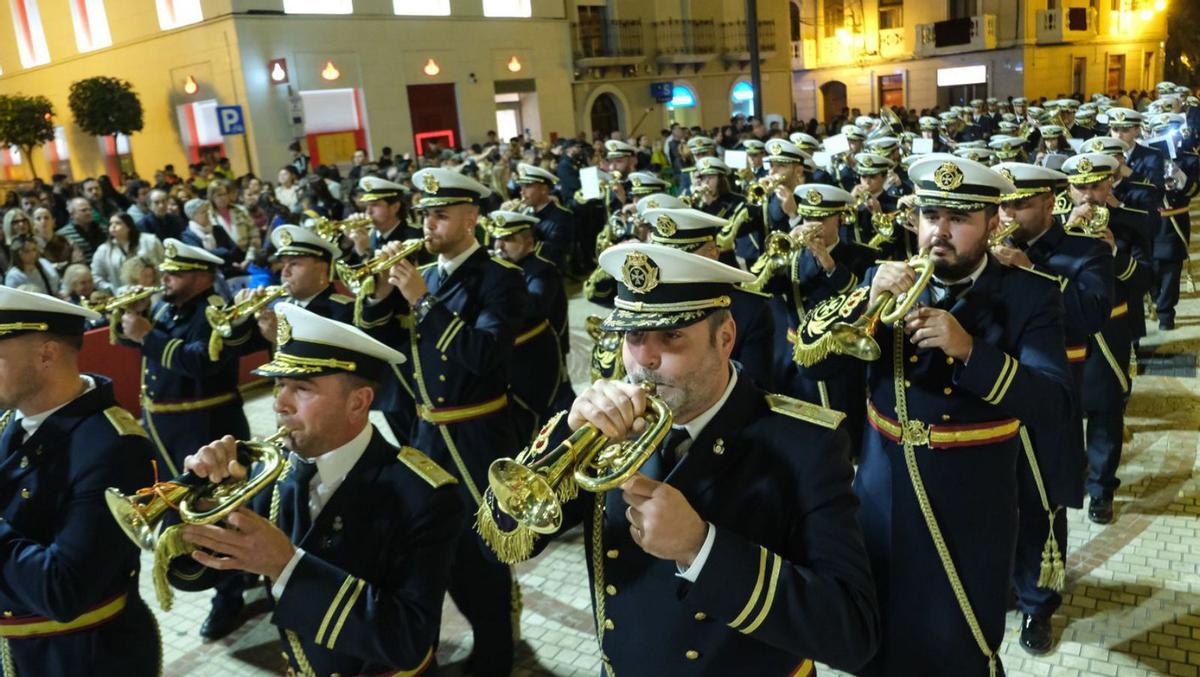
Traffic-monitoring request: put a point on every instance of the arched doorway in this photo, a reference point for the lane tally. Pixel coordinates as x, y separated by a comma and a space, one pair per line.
833, 99
605, 116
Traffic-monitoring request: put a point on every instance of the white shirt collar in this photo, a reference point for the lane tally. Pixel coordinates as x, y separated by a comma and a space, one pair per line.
696, 426
448, 266
33, 422
334, 465
383, 234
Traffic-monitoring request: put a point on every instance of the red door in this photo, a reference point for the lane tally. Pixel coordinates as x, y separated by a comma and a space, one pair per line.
434, 112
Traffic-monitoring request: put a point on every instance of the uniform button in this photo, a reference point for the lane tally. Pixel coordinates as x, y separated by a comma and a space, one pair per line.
441, 377
441, 400
947, 391
945, 417
914, 359
7, 614
418, 337
610, 589
609, 625
692, 654
24, 461
907, 383
612, 554
445, 359
700, 615
25, 493
950, 360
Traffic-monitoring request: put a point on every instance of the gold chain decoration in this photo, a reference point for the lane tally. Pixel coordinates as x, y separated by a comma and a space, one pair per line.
598, 576
306, 668
1052, 574
6, 658
935, 532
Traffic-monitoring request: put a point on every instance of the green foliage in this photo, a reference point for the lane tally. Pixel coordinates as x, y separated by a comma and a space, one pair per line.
26, 122
104, 106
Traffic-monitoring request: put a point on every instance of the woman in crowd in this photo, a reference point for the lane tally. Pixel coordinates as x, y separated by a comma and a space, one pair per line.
29, 268
77, 284
138, 271
55, 248
124, 241
227, 214
288, 192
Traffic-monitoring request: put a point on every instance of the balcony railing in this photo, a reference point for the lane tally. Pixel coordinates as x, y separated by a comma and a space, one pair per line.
1065, 24
685, 36
607, 39
892, 43
736, 40
955, 36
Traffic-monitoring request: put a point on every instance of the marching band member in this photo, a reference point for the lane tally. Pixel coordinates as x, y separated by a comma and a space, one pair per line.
981, 354
1174, 235
459, 318
356, 536
735, 548
384, 201
870, 196
68, 576
1050, 472
555, 228
713, 179
1106, 379
188, 397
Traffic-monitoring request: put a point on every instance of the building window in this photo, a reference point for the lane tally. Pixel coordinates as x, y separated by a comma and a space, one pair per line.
422, 7
891, 91
176, 13
91, 25
318, 6
741, 98
1148, 70
1116, 74
891, 14
681, 97
31, 38
518, 8
835, 16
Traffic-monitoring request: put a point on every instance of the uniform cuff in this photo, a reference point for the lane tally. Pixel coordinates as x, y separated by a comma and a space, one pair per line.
989, 373
691, 573
280, 583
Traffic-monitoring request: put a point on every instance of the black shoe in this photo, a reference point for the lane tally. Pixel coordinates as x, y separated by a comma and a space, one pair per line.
1036, 637
1166, 325
1100, 509
224, 617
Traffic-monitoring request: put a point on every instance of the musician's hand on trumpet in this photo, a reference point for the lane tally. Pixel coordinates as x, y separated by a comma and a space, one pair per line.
894, 277
268, 324
135, 325
216, 461
662, 522
361, 239
787, 200
810, 233
404, 275
614, 407
1011, 256
935, 328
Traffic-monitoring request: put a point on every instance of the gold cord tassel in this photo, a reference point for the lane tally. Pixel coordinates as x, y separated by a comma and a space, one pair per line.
366, 289
510, 546
215, 344
1053, 575
808, 354
171, 544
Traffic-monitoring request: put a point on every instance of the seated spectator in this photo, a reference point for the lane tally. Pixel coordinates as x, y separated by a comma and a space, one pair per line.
55, 248
227, 214
159, 220
288, 192
29, 268
124, 241
201, 233
77, 284
137, 271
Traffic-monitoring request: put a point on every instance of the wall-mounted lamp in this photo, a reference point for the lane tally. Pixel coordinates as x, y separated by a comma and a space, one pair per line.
330, 72
514, 64
277, 73
190, 85
431, 68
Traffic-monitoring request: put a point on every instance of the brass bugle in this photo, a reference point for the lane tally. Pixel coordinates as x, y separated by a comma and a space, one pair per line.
224, 318
356, 277
779, 251
696, 196
332, 230
760, 191
857, 339
197, 500
115, 306
532, 494
1094, 225
1002, 233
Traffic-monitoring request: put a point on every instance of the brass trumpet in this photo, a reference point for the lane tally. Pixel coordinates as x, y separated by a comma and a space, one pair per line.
779, 251
223, 319
532, 494
1093, 226
857, 339
332, 230
362, 277
729, 232
197, 500
1002, 233
760, 191
697, 195
115, 306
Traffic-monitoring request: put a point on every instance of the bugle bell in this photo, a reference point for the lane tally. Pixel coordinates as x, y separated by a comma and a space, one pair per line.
197, 500
223, 319
760, 191
115, 306
332, 230
532, 494
358, 278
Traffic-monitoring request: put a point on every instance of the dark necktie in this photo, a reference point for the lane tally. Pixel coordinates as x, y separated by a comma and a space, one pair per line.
664, 460
303, 472
950, 292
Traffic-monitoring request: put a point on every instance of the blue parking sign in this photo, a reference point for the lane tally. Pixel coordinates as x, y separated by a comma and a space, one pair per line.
229, 119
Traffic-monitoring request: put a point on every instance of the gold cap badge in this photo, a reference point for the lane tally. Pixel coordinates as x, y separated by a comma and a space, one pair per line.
639, 273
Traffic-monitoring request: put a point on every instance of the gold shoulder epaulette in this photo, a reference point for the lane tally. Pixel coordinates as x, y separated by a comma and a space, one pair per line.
425, 467
506, 263
124, 422
1058, 280
341, 298
805, 411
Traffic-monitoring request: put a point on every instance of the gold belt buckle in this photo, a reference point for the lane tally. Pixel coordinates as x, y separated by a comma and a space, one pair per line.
425, 412
916, 433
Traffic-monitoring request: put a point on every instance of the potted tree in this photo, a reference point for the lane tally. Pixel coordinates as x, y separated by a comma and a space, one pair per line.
106, 107
26, 122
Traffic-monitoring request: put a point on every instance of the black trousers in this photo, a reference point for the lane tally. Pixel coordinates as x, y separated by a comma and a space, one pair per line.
1104, 440
1033, 528
1166, 287
484, 591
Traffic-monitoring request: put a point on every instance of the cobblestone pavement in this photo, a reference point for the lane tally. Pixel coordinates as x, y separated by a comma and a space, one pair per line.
1132, 607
